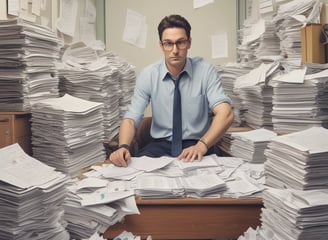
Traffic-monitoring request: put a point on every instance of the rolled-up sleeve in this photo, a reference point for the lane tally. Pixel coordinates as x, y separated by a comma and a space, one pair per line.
215, 92
140, 98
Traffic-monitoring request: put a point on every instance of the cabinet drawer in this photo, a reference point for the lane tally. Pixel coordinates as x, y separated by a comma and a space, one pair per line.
6, 135
15, 128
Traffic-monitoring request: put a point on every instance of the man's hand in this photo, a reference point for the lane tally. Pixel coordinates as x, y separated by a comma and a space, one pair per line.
192, 153
120, 157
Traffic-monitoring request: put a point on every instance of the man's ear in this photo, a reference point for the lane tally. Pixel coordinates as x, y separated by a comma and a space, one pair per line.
161, 45
189, 42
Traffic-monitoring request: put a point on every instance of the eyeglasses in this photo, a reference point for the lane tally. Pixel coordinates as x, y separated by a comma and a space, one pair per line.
181, 44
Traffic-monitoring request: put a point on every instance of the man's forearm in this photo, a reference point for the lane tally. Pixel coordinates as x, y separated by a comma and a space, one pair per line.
127, 132
222, 120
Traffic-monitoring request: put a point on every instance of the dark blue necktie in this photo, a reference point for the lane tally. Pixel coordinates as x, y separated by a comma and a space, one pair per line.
176, 147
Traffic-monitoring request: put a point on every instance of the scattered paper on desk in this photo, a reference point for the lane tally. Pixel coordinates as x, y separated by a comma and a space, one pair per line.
115, 172
89, 183
207, 161
127, 205
149, 164
101, 197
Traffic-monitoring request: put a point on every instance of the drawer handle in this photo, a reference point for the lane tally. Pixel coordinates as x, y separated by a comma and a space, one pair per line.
4, 120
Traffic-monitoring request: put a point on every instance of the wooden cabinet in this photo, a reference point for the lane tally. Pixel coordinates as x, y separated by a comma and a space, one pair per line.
15, 128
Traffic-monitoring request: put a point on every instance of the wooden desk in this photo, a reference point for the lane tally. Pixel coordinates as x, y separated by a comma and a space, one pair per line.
190, 218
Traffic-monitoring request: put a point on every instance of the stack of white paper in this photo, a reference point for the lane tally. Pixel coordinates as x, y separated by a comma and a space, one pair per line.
83, 221
154, 186
203, 185
269, 43
229, 73
28, 53
258, 100
256, 94
300, 102
250, 36
97, 76
290, 17
126, 80
292, 215
67, 133
243, 179
93, 204
298, 160
31, 197
224, 144
259, 42
250, 145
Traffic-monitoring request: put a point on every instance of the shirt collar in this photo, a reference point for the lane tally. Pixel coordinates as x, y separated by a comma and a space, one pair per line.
164, 72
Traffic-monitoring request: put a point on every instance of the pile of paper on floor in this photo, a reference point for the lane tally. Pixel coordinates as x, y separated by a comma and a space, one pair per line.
67, 133
250, 145
28, 53
31, 197
295, 214
298, 160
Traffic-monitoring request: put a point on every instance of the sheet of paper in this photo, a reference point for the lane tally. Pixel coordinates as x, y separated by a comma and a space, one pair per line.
220, 45
100, 197
36, 7
87, 30
66, 22
202, 3
295, 76
24, 4
255, 32
90, 11
149, 164
135, 29
20, 169
13, 7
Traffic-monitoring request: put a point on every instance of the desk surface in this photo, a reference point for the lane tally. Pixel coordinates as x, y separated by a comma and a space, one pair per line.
190, 218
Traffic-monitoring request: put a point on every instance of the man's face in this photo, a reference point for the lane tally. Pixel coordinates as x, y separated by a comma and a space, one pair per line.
175, 45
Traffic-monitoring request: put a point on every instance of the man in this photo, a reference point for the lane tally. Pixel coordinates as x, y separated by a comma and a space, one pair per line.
187, 120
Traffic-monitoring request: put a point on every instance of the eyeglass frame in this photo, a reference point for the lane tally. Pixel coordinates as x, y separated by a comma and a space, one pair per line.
170, 47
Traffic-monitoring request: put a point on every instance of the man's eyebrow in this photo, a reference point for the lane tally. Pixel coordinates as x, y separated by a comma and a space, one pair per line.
169, 40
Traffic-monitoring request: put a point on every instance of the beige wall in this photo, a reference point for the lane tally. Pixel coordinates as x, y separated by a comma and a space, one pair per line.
215, 18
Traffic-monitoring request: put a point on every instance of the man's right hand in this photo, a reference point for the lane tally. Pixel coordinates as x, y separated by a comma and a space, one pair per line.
120, 157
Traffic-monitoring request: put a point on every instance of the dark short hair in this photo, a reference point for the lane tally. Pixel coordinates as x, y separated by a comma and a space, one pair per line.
173, 21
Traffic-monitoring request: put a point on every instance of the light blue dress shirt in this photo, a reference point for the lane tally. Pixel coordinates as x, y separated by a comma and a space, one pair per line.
201, 90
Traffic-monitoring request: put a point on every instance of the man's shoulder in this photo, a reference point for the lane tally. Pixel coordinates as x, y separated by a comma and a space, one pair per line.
200, 62
154, 66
